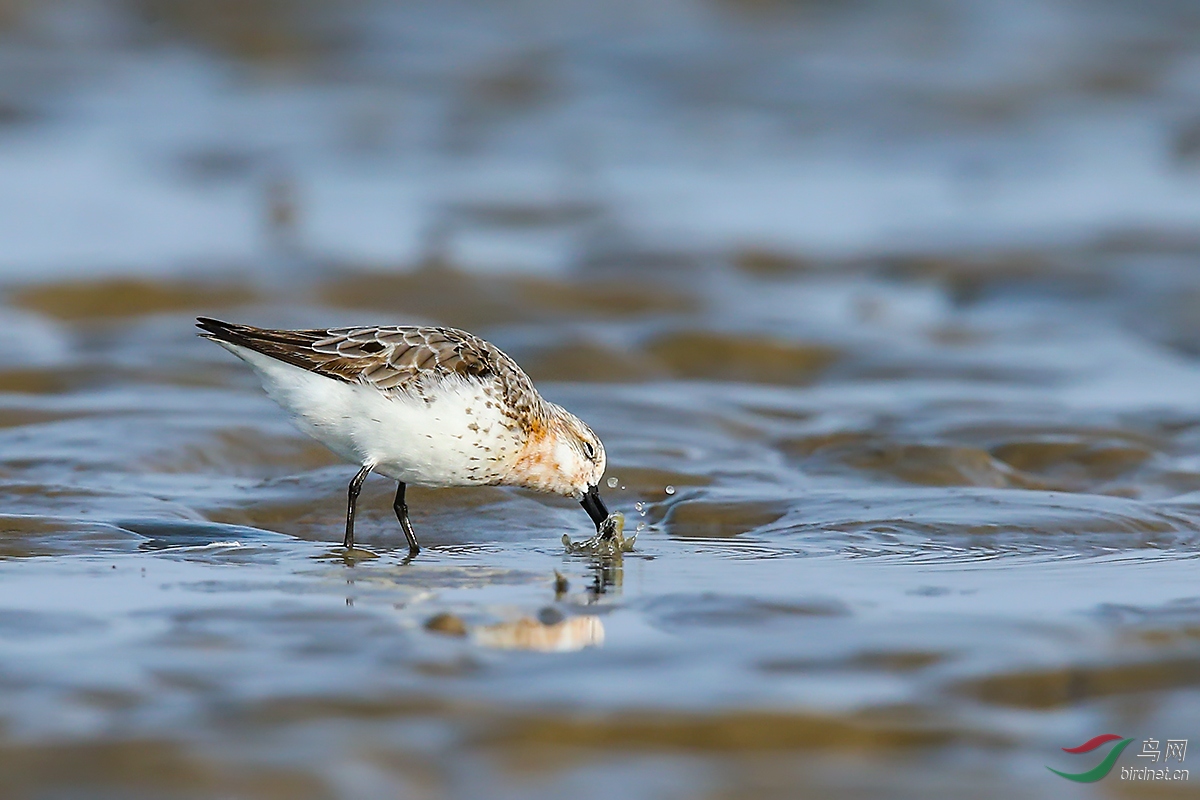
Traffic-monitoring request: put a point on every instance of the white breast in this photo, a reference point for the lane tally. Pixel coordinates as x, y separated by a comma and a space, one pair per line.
458, 439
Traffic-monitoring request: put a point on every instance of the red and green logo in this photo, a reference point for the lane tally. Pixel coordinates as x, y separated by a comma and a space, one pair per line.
1104, 767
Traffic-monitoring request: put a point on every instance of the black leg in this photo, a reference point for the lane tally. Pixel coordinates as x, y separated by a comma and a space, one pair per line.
355, 488
402, 514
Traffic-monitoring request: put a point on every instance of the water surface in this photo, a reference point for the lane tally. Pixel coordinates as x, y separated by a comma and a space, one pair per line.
890, 338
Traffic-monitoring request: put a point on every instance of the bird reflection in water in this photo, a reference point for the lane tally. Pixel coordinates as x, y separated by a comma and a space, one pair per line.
608, 574
561, 636
550, 632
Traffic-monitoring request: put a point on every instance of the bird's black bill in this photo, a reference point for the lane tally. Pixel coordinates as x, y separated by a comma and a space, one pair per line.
594, 506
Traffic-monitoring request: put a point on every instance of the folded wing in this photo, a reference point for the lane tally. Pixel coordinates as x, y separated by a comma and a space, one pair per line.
392, 359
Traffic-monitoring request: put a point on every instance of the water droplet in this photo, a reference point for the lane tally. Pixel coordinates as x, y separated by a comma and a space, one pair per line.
612, 483
670, 489
641, 526
622, 487
641, 507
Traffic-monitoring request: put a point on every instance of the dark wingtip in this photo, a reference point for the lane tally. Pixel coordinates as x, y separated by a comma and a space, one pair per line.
214, 328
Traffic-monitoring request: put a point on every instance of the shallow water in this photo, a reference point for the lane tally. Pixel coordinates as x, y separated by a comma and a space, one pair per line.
915, 456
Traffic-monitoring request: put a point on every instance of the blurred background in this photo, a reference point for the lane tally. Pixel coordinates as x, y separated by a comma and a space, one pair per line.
888, 315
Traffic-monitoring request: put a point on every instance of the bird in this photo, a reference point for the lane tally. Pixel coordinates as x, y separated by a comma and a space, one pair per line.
427, 406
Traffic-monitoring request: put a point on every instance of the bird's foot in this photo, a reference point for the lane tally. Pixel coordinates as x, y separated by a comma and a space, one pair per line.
349, 556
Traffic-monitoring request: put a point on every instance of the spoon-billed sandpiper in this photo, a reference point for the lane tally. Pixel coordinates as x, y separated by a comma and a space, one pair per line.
427, 406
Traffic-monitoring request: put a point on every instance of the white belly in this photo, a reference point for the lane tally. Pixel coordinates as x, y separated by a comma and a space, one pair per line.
455, 440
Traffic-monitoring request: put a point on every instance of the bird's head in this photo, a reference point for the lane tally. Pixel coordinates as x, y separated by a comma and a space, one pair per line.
564, 456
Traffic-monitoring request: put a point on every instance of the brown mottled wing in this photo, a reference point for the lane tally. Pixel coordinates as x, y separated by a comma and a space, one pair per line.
399, 359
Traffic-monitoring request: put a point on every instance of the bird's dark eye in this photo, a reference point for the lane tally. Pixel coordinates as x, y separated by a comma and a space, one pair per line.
589, 451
